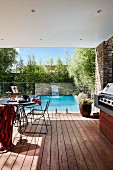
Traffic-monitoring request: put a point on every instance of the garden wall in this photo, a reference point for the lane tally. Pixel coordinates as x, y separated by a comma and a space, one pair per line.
47, 88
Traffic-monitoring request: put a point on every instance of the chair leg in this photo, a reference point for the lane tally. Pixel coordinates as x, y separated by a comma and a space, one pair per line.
32, 117
44, 120
48, 119
45, 124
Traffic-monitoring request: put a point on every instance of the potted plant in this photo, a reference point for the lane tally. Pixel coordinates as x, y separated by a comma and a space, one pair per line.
85, 104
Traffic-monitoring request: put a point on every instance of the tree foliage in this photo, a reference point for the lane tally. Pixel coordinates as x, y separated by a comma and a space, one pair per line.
7, 59
38, 73
82, 68
27, 75
31, 72
61, 73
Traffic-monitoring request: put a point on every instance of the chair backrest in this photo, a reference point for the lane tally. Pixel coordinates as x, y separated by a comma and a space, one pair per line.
14, 89
47, 105
45, 109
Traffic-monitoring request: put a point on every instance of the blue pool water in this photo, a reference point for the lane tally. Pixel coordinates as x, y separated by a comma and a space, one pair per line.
61, 103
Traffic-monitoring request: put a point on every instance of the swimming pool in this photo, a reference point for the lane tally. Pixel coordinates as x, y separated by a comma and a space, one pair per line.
61, 103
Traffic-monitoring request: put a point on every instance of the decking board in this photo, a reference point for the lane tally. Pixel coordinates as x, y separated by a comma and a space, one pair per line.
69, 148
90, 144
63, 161
73, 142
83, 145
76, 147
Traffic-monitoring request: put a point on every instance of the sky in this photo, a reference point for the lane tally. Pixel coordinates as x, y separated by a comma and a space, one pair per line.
44, 54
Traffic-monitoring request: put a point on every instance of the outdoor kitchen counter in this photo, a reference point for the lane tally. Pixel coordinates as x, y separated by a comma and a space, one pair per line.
106, 118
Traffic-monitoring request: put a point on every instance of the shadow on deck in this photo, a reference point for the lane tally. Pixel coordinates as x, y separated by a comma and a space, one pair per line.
73, 142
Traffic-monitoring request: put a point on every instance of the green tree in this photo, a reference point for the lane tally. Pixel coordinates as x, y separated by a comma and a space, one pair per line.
20, 65
61, 72
82, 68
30, 74
67, 58
50, 62
7, 59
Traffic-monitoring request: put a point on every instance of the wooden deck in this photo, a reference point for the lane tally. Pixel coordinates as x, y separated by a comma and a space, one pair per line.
73, 142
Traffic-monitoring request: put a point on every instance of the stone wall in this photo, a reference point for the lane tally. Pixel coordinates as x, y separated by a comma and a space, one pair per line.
45, 88
103, 65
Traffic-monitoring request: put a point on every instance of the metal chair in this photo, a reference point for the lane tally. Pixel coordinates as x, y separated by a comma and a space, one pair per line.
38, 114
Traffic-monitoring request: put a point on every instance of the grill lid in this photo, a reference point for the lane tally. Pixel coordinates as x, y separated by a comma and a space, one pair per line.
108, 89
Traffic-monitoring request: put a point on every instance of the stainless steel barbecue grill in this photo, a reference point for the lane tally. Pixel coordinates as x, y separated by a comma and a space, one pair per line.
104, 100
106, 96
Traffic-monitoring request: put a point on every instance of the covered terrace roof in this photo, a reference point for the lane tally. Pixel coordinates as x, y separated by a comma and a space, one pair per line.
55, 23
